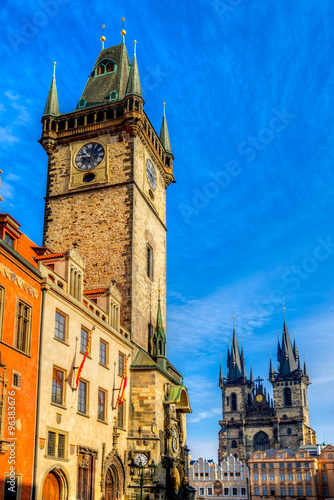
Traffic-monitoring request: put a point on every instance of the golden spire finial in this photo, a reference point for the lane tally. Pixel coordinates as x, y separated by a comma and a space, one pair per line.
123, 32
103, 38
164, 105
54, 68
283, 307
134, 47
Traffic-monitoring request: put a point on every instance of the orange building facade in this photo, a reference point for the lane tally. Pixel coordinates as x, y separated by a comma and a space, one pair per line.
20, 310
326, 473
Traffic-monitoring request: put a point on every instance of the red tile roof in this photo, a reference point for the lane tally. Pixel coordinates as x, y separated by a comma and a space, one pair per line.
97, 290
50, 256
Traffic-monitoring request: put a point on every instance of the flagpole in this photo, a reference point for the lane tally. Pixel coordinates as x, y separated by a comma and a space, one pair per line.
74, 362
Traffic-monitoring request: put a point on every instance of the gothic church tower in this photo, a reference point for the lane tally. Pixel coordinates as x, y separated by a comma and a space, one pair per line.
108, 172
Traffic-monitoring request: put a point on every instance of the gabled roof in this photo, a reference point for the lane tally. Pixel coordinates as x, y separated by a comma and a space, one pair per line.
50, 256
143, 359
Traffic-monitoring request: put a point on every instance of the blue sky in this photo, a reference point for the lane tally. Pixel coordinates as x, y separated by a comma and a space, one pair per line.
249, 93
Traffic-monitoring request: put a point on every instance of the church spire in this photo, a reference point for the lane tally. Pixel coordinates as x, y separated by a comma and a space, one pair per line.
285, 353
133, 86
235, 371
164, 135
221, 378
271, 370
51, 107
251, 378
159, 339
305, 369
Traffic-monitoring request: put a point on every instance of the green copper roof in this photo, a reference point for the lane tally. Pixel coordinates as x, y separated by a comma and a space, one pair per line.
142, 360
51, 107
164, 135
159, 329
174, 394
134, 80
99, 88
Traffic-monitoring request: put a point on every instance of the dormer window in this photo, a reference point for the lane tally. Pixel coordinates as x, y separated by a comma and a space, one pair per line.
9, 240
113, 95
105, 66
82, 103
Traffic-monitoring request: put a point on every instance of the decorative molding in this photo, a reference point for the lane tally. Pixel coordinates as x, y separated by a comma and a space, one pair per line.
18, 281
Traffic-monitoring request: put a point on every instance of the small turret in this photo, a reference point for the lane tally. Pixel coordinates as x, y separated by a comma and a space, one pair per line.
159, 340
164, 135
51, 106
133, 86
221, 378
305, 370
271, 371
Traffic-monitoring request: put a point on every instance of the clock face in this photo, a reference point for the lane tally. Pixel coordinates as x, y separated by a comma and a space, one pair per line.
141, 459
151, 175
175, 441
259, 398
89, 156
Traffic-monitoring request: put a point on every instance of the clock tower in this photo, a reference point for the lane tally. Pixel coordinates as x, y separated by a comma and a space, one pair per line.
108, 171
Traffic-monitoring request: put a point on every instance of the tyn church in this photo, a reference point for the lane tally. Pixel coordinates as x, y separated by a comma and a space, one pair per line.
254, 421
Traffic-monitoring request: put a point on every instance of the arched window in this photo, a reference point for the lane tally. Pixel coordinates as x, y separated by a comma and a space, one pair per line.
261, 441
287, 396
304, 392
234, 444
113, 95
289, 431
160, 347
105, 66
233, 401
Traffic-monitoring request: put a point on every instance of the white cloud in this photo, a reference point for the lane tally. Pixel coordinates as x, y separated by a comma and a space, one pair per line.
12, 96
7, 138
204, 415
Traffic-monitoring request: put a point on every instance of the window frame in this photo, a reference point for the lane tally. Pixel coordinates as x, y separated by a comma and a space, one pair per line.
65, 316
106, 344
2, 307
86, 399
84, 329
54, 402
57, 432
105, 405
121, 365
121, 416
18, 375
28, 322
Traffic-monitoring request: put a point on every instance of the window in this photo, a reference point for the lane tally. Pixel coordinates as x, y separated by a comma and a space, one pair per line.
201, 491
272, 491
105, 66
287, 396
101, 409
103, 353
16, 382
264, 490
290, 477
281, 465
9, 240
301, 455
226, 491
272, 477
261, 441
234, 491
150, 261
256, 490
243, 491
82, 103
306, 465
297, 465
23, 327
113, 95
300, 491
58, 379
283, 492
330, 455
120, 415
82, 398
263, 466
234, 444
282, 477
60, 326
57, 444
233, 401
255, 466
264, 477
121, 359
325, 492
289, 431
308, 491
308, 476
271, 466
210, 491
324, 478
84, 340
256, 477
323, 466
290, 491
289, 466
299, 476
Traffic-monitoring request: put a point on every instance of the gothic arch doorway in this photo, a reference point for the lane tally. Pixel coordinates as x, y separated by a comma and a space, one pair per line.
55, 486
114, 480
261, 441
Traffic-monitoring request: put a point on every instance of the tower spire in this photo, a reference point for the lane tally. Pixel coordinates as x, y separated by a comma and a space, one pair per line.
234, 358
271, 370
51, 106
123, 32
159, 339
285, 353
164, 135
133, 86
221, 379
103, 38
251, 374
305, 369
